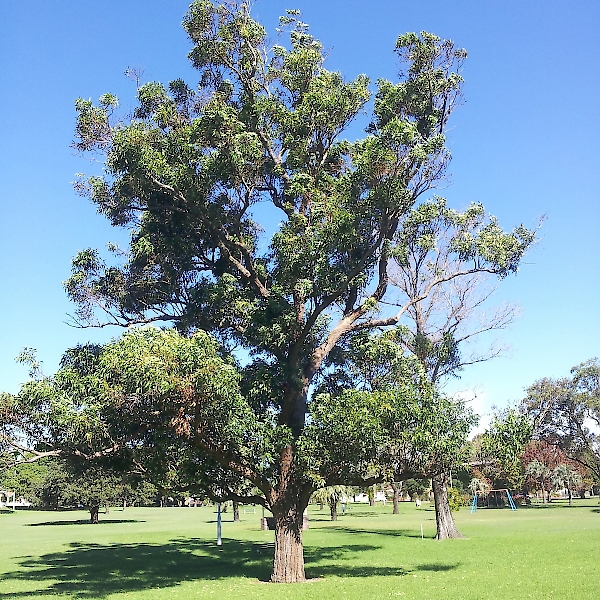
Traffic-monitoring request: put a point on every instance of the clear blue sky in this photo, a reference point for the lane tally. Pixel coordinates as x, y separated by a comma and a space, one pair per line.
524, 144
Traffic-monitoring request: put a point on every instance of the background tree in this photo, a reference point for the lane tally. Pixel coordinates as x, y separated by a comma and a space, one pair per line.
440, 291
92, 487
565, 476
58, 483
41, 482
371, 494
332, 496
540, 474
397, 490
546, 458
566, 414
416, 487
443, 291
498, 453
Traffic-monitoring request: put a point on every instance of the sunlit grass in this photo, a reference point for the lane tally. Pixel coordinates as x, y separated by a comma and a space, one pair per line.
368, 553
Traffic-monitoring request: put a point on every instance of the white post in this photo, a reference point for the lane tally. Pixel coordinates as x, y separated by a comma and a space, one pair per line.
219, 542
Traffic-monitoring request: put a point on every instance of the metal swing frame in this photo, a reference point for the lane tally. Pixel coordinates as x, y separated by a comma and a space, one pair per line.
511, 502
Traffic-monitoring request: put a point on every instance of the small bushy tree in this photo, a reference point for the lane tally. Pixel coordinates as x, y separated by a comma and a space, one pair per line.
332, 496
565, 476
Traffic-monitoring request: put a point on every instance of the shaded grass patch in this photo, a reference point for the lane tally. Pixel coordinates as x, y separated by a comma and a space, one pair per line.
84, 522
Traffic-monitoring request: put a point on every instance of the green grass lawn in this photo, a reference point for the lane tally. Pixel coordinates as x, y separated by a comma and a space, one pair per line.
368, 553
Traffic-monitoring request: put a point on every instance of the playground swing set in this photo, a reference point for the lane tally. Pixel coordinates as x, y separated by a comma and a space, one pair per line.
493, 499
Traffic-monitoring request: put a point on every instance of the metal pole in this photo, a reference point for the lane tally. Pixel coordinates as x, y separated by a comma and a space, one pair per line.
219, 542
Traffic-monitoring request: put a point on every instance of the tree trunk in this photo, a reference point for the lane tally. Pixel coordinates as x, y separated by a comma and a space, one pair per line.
333, 508
106, 508
94, 510
288, 561
288, 511
372, 496
446, 528
570, 497
397, 487
236, 511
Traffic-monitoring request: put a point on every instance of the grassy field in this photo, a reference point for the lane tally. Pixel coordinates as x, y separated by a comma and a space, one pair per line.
170, 553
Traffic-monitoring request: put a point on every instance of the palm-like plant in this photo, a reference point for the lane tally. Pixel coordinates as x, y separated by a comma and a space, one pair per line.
565, 476
540, 473
331, 495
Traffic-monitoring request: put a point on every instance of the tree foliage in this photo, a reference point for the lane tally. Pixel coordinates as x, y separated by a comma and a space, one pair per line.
59, 483
565, 476
566, 414
439, 282
498, 453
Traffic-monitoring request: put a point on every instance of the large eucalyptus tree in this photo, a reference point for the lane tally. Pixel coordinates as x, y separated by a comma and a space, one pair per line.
263, 133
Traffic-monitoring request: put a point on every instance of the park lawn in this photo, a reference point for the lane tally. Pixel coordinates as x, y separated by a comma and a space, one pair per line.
152, 553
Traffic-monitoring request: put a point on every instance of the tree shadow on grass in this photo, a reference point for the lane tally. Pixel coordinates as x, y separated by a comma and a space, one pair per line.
351, 512
85, 522
341, 570
375, 571
437, 567
411, 533
96, 571
555, 504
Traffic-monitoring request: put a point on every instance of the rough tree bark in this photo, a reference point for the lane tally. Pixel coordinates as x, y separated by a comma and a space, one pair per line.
446, 528
397, 487
94, 510
333, 508
288, 561
288, 510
